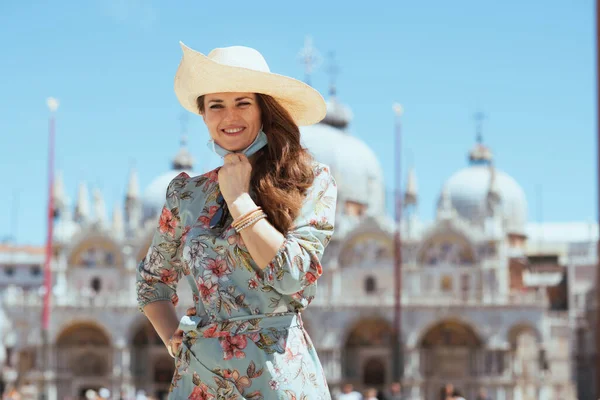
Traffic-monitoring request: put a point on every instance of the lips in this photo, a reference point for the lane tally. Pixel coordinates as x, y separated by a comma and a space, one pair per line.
233, 131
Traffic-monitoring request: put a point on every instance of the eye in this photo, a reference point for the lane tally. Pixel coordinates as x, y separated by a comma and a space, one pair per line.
215, 106
243, 104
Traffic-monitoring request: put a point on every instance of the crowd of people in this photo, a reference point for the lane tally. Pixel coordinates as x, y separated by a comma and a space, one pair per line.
394, 392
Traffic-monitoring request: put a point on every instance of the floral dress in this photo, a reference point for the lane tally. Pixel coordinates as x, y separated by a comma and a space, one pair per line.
243, 338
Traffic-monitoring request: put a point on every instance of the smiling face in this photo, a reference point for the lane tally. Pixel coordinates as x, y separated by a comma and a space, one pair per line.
233, 119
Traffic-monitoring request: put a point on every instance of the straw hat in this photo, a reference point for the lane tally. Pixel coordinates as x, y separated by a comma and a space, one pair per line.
243, 69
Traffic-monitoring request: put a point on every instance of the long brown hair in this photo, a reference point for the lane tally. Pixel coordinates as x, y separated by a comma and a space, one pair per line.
282, 172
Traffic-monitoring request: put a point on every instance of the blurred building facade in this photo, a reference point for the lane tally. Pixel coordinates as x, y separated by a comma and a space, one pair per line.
488, 299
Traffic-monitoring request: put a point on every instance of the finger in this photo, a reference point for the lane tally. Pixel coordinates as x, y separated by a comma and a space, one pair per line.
190, 311
231, 158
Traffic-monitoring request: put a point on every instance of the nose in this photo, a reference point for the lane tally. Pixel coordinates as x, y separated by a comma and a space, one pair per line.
231, 114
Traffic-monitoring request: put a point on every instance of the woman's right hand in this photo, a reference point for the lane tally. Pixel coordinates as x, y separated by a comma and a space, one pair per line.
177, 338
175, 342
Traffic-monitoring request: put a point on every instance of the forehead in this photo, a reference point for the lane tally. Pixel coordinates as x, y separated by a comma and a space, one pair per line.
228, 96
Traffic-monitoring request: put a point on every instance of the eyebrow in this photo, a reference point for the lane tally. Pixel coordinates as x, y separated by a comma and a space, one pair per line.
238, 99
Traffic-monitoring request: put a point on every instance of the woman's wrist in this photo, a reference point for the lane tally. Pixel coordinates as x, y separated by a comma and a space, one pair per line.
170, 347
243, 204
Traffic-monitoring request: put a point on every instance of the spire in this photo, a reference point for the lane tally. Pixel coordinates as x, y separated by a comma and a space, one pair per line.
480, 154
410, 196
183, 159
133, 187
60, 198
310, 57
118, 224
338, 115
133, 203
82, 208
445, 208
99, 207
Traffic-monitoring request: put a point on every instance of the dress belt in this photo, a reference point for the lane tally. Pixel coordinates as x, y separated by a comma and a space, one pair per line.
244, 325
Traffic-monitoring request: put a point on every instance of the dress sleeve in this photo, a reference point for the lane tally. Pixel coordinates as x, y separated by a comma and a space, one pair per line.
159, 272
297, 264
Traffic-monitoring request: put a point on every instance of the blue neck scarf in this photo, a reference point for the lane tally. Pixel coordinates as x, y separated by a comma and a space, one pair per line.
260, 142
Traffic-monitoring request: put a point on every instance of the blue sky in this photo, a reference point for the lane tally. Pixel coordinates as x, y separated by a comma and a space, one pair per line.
528, 65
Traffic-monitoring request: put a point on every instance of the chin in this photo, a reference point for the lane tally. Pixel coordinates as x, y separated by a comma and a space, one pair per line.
236, 143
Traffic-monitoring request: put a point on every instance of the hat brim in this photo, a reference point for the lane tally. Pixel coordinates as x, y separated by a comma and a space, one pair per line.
198, 75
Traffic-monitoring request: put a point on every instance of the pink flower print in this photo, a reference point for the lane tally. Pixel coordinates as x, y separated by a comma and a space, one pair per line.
213, 176
185, 232
236, 240
218, 267
274, 384
168, 276
167, 223
233, 346
201, 393
291, 355
174, 299
310, 278
214, 332
207, 288
252, 284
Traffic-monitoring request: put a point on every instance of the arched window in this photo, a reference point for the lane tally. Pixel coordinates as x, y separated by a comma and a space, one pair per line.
370, 285
96, 284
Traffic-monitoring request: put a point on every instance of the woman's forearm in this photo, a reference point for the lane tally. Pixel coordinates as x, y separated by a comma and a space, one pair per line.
163, 318
262, 239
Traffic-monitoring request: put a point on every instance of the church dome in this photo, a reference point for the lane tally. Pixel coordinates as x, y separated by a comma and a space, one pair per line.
154, 196
468, 190
354, 165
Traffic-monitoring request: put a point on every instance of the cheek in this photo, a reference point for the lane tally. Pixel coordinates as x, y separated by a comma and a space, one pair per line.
254, 117
212, 123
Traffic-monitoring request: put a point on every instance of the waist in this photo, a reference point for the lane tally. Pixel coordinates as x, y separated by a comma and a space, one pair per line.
245, 325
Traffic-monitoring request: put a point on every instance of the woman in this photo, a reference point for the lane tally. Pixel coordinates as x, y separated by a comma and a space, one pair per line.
248, 237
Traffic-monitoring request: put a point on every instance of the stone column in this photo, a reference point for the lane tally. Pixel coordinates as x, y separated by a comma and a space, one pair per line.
122, 369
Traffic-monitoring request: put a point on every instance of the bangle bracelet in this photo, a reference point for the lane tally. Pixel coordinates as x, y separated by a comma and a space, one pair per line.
247, 217
251, 222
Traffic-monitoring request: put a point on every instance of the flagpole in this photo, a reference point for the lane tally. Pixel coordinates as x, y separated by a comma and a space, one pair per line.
597, 305
397, 346
52, 106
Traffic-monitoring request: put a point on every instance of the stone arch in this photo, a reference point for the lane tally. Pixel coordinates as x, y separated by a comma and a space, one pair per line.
83, 333
367, 348
84, 350
96, 250
415, 338
450, 333
374, 330
367, 247
449, 350
446, 245
520, 328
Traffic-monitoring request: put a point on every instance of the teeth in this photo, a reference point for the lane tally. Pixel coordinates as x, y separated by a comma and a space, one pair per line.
236, 130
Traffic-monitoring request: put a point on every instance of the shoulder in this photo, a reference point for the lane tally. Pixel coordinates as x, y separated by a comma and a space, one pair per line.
186, 187
321, 170
323, 175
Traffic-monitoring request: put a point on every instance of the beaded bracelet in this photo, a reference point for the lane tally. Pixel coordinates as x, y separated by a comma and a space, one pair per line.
250, 222
246, 217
